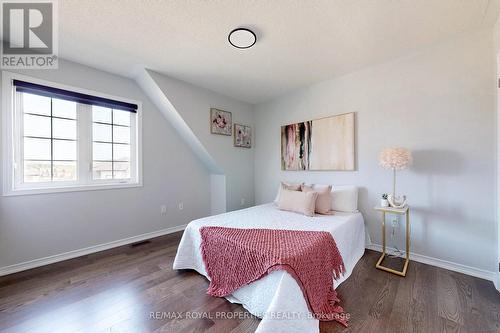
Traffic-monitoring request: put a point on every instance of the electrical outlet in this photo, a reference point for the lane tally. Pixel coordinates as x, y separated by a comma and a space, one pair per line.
163, 210
181, 205
242, 202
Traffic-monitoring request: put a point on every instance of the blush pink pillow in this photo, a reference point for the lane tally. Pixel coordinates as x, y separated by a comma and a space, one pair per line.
324, 200
299, 202
287, 186
291, 187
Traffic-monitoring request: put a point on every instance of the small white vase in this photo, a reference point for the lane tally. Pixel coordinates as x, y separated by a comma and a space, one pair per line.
384, 203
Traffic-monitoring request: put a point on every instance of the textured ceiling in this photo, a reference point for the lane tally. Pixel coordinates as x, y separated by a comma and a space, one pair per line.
299, 42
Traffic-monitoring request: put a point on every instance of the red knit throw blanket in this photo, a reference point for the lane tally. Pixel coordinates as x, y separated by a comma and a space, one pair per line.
236, 257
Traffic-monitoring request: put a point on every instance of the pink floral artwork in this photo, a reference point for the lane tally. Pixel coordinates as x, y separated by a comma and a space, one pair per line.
221, 122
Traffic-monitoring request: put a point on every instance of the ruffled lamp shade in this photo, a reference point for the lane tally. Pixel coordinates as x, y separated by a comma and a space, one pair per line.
395, 159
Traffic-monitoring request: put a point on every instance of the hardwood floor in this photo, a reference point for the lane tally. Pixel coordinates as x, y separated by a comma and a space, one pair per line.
121, 290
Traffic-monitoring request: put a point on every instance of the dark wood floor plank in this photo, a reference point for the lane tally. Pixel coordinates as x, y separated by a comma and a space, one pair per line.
487, 304
425, 295
246, 326
400, 319
121, 290
449, 307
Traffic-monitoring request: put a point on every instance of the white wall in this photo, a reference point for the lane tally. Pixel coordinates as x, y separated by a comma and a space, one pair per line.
218, 194
440, 104
496, 55
193, 104
38, 226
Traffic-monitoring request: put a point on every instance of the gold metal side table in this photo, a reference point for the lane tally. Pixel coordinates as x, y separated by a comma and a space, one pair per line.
400, 211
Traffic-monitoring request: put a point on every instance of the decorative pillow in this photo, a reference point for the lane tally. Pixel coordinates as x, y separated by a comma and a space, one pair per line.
324, 200
287, 186
345, 199
299, 202
291, 187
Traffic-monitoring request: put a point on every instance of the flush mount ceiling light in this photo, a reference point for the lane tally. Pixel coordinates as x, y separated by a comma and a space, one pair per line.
242, 38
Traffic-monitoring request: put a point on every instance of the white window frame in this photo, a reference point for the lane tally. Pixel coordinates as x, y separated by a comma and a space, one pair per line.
11, 146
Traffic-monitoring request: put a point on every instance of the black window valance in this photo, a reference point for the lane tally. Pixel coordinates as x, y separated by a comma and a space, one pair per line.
38, 89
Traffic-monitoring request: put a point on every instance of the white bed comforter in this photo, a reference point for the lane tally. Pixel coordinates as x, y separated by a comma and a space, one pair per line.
277, 298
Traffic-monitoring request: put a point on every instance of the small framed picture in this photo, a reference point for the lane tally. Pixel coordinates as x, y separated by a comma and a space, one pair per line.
242, 136
221, 122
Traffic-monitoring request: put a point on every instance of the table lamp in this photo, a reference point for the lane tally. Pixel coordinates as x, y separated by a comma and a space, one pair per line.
395, 159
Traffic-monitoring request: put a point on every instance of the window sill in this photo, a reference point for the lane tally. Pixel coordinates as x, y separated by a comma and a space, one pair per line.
77, 188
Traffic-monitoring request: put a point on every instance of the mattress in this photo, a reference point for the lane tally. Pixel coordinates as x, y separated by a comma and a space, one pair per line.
277, 298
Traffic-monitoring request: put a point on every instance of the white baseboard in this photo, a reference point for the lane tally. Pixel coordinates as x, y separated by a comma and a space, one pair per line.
497, 282
468, 270
88, 250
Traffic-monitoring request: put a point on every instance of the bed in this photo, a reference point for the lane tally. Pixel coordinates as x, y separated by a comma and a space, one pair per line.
277, 298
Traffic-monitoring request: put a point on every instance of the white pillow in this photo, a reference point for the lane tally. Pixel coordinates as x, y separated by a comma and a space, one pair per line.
345, 198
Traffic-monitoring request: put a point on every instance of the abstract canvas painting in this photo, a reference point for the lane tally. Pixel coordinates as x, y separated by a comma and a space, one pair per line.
242, 136
221, 122
321, 144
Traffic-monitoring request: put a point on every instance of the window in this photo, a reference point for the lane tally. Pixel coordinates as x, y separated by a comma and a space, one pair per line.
110, 143
49, 139
62, 139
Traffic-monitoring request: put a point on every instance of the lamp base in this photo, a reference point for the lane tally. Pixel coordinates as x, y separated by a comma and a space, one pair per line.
397, 201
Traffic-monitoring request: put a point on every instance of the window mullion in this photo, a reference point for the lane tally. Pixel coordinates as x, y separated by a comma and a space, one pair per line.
17, 135
112, 146
51, 141
133, 148
84, 116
